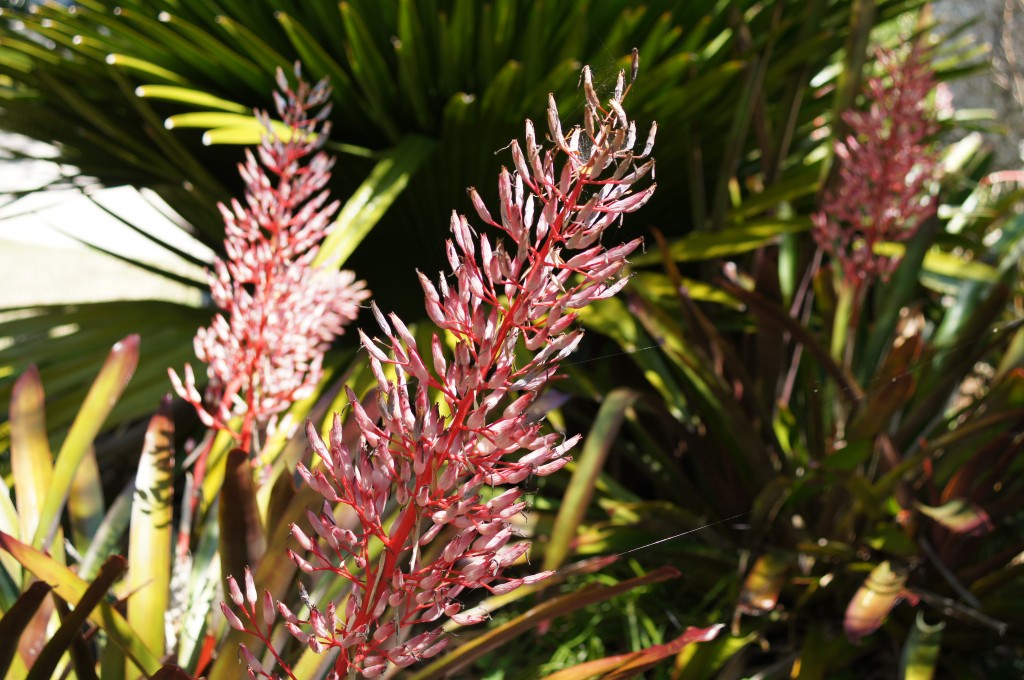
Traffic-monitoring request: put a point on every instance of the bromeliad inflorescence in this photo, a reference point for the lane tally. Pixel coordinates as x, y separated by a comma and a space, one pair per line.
887, 166
427, 469
280, 313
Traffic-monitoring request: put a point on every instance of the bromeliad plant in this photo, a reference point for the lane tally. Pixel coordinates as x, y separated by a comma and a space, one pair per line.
148, 93
410, 513
449, 443
874, 457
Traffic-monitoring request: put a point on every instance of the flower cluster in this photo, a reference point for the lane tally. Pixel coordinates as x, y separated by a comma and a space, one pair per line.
886, 166
280, 312
427, 468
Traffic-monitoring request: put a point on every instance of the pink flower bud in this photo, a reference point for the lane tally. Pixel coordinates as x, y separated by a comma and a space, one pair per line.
250, 587
233, 620
235, 592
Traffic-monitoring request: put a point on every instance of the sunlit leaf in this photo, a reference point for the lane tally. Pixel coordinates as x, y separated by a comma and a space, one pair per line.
589, 465
31, 459
108, 386
871, 604
761, 587
959, 516
921, 650
149, 544
629, 665
186, 95
71, 588
462, 656
372, 199
71, 625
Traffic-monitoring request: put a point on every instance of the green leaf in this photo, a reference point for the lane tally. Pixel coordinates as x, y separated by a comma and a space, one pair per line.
460, 658
732, 240
71, 588
31, 458
71, 625
85, 501
107, 539
626, 666
208, 120
103, 394
147, 67
372, 199
149, 545
369, 69
589, 465
187, 95
921, 651
944, 264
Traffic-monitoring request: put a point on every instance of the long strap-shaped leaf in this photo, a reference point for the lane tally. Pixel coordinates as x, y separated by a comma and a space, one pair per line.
69, 587
17, 619
149, 548
72, 624
372, 199
105, 391
31, 458
466, 654
624, 666
584, 478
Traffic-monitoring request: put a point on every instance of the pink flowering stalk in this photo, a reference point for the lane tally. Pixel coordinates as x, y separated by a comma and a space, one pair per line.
280, 313
450, 470
886, 165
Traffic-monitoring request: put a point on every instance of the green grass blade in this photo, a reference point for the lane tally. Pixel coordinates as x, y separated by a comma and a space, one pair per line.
71, 588
414, 64
255, 47
588, 467
103, 394
862, 20
370, 71
318, 60
149, 545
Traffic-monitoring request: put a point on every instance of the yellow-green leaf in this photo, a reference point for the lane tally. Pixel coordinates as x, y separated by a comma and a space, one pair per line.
374, 196
143, 66
31, 458
944, 264
732, 240
149, 546
589, 465
71, 588
104, 393
187, 95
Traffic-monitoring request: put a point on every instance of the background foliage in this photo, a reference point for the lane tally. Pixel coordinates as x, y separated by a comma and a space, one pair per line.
720, 402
